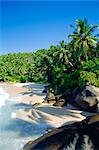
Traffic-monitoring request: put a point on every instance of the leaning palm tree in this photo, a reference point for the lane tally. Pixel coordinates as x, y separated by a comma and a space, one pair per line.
83, 40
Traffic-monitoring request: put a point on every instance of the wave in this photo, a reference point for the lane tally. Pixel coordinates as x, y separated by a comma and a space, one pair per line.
3, 97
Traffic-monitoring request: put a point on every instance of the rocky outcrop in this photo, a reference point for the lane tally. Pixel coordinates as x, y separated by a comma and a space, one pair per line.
60, 103
50, 97
77, 136
87, 99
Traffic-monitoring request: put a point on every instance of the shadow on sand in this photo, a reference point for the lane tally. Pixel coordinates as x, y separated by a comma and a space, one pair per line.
42, 119
34, 89
41, 115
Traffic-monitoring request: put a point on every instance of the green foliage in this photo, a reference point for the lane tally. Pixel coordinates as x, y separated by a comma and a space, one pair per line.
64, 66
20, 67
23, 78
90, 72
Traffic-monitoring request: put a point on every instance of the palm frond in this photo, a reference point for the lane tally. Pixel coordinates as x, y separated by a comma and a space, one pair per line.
91, 29
94, 38
76, 44
72, 26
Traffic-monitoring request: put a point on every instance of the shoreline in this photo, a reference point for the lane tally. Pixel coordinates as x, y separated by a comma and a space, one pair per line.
31, 93
14, 130
34, 121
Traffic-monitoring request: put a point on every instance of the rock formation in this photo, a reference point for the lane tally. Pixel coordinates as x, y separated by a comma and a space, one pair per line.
87, 99
77, 136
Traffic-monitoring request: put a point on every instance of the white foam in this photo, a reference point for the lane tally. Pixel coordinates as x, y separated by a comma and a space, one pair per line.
3, 97
13, 115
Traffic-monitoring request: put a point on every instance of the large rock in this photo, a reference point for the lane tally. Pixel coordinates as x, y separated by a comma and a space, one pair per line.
60, 103
77, 136
50, 97
94, 90
87, 99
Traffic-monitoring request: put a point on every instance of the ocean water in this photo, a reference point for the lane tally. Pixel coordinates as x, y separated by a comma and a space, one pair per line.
14, 133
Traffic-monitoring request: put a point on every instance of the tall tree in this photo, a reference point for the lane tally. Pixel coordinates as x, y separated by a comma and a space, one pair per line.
83, 40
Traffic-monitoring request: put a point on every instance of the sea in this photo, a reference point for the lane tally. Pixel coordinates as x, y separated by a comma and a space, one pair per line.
15, 133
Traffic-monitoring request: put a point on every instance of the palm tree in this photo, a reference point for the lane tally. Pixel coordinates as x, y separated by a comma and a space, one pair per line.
62, 53
83, 41
44, 67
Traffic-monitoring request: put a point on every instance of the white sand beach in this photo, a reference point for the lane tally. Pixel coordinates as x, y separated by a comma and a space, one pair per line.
43, 114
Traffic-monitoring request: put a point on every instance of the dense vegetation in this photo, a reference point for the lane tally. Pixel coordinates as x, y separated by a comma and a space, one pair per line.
64, 66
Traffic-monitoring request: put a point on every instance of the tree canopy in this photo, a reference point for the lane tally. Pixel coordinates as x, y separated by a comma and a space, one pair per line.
66, 65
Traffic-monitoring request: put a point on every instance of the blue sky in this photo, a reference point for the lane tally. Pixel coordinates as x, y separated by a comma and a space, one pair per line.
30, 25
